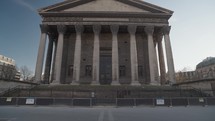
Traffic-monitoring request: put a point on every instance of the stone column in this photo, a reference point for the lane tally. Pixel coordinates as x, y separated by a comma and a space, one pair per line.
156, 64
77, 54
151, 53
53, 75
169, 56
41, 52
48, 59
115, 55
133, 55
161, 59
96, 54
59, 54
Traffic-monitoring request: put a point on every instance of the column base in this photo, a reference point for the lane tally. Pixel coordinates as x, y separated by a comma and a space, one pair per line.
115, 83
95, 83
54, 83
135, 83
74, 83
155, 84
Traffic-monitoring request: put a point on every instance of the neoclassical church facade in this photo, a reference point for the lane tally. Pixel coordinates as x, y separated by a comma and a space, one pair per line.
110, 42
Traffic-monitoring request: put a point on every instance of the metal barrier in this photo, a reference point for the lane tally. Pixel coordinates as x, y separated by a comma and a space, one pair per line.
126, 102
103, 102
88, 102
144, 102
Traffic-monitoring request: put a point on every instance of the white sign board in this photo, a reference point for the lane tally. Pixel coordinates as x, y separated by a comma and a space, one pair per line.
92, 94
29, 101
201, 100
9, 99
160, 101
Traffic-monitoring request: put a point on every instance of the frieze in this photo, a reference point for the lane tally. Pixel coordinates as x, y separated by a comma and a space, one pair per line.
80, 19
148, 20
62, 19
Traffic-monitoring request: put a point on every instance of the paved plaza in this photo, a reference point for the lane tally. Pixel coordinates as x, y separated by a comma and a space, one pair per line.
107, 114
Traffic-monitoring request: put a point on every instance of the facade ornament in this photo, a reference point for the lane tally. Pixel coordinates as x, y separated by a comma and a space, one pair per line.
79, 28
132, 29
44, 28
61, 29
97, 29
166, 30
149, 30
159, 36
114, 29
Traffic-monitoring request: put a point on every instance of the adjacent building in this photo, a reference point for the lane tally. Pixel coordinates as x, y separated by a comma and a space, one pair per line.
204, 70
105, 42
7, 68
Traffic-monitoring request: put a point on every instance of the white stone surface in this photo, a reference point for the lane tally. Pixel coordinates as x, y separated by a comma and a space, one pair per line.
106, 5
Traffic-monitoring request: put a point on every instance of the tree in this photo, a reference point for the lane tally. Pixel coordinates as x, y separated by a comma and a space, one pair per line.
7, 72
26, 73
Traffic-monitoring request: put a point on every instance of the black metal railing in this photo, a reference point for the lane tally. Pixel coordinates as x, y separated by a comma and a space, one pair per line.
118, 102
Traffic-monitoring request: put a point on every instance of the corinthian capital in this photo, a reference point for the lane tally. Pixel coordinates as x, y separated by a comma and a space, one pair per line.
52, 36
44, 28
159, 35
114, 29
166, 29
96, 29
61, 29
149, 30
79, 28
132, 29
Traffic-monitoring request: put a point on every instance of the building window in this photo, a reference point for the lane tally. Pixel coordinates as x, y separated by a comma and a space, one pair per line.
122, 71
140, 71
88, 70
70, 70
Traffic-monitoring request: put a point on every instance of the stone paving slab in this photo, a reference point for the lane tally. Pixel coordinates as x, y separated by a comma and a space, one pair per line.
63, 113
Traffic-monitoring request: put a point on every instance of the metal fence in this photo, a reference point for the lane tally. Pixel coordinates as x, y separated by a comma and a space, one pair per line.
118, 102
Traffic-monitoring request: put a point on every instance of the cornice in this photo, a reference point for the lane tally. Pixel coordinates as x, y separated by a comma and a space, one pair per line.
104, 14
136, 3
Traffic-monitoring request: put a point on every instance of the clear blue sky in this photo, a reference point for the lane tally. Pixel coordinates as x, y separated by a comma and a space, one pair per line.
192, 35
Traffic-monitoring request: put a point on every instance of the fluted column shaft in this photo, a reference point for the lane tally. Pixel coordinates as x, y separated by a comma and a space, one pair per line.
96, 54
161, 60
151, 53
41, 53
133, 55
48, 59
169, 56
115, 55
156, 64
58, 62
53, 75
77, 54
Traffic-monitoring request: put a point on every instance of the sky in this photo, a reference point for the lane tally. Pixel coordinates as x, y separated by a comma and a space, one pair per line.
192, 34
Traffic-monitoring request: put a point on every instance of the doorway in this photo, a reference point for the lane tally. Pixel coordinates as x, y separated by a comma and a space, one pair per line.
105, 66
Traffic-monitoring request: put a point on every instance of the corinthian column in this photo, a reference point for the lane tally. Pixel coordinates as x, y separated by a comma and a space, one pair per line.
156, 64
115, 55
41, 52
77, 54
96, 51
151, 53
161, 59
133, 55
59, 54
169, 56
48, 59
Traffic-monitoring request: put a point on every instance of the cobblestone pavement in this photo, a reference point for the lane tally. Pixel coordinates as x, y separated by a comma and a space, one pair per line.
107, 114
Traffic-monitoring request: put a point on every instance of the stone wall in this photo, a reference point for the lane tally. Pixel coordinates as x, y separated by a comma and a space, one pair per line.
105, 43
5, 85
206, 86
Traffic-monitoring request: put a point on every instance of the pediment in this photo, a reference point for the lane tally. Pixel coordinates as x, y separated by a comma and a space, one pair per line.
131, 6
106, 5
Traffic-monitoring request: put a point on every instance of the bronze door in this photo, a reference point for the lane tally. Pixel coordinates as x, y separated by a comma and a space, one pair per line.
105, 69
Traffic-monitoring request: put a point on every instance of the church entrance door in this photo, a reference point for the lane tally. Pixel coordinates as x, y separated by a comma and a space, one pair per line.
105, 67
